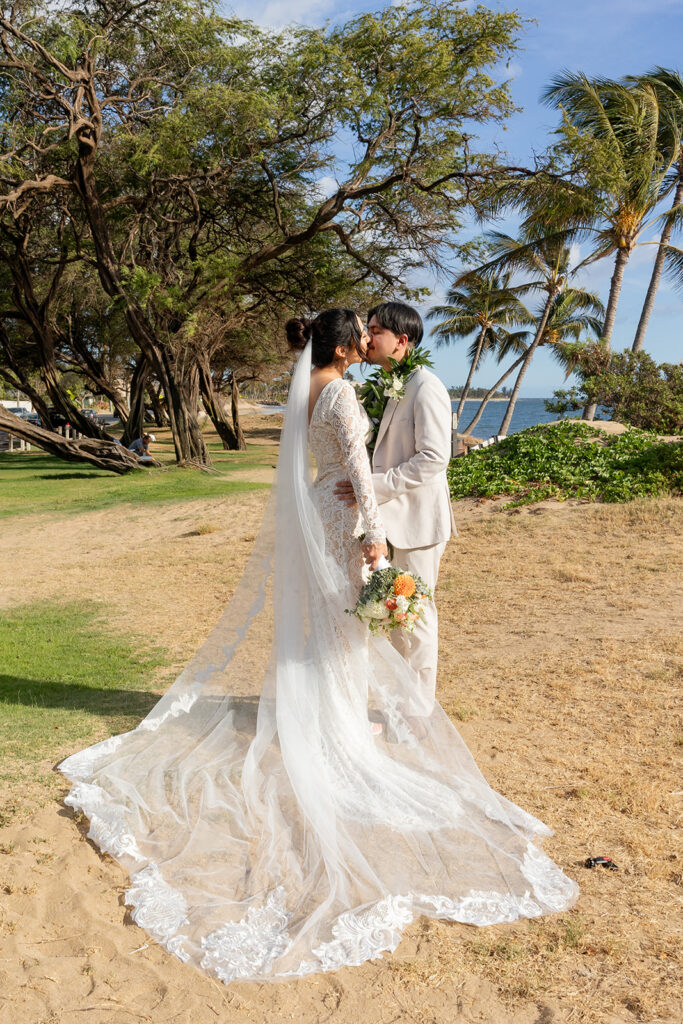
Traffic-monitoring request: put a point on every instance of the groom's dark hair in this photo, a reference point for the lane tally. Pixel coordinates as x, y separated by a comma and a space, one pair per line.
399, 318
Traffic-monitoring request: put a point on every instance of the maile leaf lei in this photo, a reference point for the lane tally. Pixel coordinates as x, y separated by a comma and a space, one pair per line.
384, 385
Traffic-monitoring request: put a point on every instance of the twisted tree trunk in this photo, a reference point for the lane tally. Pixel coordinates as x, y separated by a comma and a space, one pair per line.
36, 316
235, 409
230, 435
13, 373
134, 425
95, 372
187, 436
158, 405
108, 455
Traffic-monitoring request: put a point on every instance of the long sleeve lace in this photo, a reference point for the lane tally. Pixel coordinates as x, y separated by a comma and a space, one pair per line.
348, 425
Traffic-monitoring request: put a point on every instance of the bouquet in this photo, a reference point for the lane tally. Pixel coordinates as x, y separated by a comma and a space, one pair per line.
391, 599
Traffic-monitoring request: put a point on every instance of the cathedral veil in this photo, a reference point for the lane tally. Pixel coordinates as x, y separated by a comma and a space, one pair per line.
281, 841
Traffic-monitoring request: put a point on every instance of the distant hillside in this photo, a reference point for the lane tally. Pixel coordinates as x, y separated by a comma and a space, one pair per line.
478, 392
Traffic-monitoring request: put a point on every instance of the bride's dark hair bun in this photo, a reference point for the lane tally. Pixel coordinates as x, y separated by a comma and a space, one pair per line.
298, 333
330, 328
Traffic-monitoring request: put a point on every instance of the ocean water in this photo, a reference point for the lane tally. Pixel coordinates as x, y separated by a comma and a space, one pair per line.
527, 413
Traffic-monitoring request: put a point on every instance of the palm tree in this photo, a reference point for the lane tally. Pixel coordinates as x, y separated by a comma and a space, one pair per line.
573, 313
500, 355
546, 263
668, 87
626, 125
483, 303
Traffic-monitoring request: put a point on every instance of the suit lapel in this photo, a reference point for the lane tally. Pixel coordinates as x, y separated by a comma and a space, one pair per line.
389, 410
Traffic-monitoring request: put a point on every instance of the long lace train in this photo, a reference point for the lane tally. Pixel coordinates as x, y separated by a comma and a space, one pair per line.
299, 842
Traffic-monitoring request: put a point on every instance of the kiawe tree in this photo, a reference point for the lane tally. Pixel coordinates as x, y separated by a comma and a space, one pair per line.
40, 301
190, 148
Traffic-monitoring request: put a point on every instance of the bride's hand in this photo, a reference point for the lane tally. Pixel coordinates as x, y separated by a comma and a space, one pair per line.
373, 552
343, 489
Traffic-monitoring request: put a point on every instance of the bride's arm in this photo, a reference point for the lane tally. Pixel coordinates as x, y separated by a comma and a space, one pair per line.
348, 426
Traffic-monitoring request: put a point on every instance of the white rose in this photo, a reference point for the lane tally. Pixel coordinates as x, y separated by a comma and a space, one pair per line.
376, 610
402, 603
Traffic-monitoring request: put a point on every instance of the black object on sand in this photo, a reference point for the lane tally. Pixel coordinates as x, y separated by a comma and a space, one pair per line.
601, 862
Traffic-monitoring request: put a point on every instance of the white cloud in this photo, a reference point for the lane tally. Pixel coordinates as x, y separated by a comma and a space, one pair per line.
324, 187
278, 13
574, 254
512, 70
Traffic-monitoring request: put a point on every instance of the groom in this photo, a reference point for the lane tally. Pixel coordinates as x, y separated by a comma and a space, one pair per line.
412, 451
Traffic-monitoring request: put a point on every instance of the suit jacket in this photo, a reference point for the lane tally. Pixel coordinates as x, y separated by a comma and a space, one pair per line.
412, 451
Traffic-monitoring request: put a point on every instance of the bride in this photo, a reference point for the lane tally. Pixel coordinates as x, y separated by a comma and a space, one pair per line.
306, 840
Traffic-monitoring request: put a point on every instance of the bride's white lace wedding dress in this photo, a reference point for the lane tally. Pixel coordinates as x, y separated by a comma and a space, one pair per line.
304, 844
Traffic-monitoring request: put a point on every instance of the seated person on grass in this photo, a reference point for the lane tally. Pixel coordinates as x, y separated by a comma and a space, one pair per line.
141, 446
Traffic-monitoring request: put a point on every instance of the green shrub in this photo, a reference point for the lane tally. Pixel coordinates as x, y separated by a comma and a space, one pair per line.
630, 386
570, 460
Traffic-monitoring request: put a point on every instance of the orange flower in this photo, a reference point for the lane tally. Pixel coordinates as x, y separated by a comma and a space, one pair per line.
404, 585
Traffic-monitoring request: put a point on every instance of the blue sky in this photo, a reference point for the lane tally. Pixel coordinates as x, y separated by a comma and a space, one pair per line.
599, 37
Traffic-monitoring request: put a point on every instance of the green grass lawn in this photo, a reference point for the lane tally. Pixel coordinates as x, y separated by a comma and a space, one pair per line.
36, 482
66, 681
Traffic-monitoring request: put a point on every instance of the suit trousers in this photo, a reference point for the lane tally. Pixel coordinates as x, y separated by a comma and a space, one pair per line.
421, 647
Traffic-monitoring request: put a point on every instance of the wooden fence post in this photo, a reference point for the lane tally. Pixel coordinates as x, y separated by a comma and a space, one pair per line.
454, 434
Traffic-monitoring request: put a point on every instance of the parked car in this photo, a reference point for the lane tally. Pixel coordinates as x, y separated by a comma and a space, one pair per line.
35, 419
90, 414
19, 411
56, 418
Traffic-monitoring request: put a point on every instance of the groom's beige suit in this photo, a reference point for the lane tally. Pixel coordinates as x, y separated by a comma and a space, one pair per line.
412, 452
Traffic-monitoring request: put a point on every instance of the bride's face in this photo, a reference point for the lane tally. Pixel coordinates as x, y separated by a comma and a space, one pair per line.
352, 356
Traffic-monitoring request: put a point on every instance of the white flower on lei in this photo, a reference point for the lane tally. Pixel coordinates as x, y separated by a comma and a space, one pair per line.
396, 390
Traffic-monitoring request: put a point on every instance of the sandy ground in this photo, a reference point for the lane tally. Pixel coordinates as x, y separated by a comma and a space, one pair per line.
561, 661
